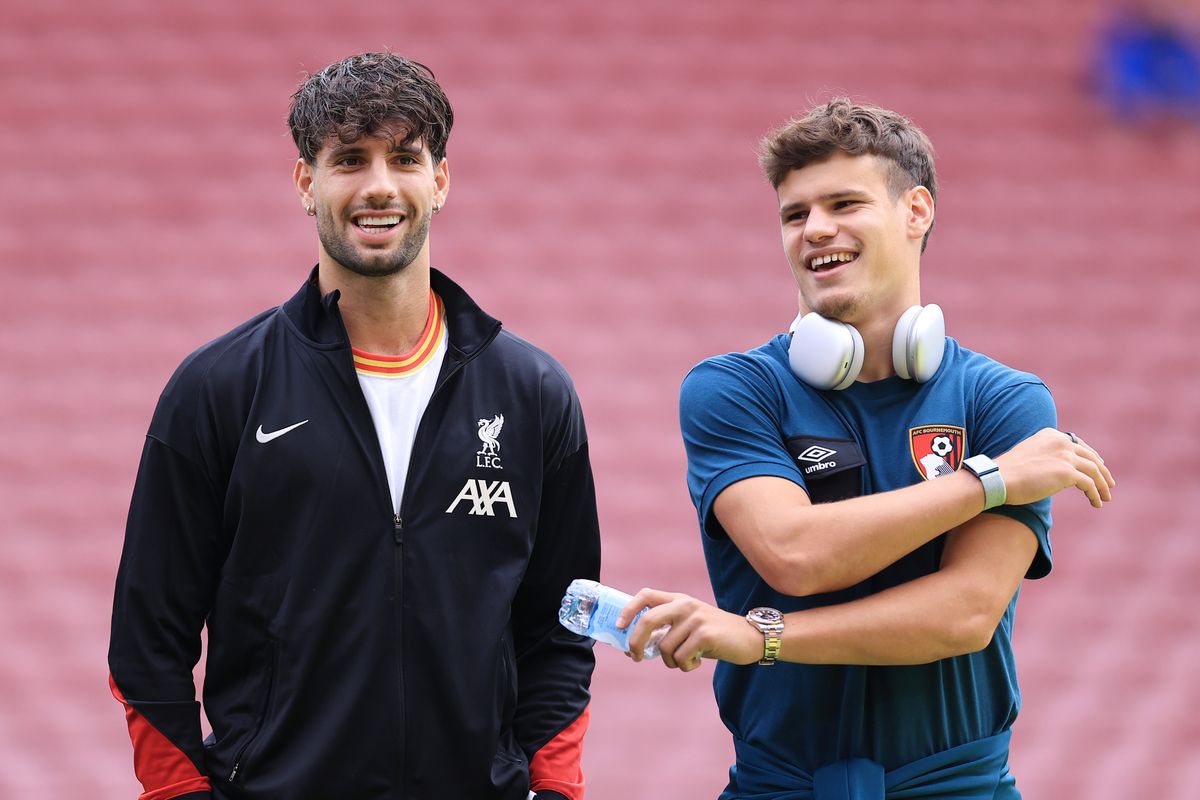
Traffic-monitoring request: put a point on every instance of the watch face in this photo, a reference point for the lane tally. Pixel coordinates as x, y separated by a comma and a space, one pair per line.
980, 465
765, 616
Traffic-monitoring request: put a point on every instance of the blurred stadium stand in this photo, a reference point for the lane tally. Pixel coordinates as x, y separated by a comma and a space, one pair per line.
606, 204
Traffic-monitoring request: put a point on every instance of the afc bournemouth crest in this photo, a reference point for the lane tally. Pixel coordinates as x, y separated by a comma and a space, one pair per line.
936, 449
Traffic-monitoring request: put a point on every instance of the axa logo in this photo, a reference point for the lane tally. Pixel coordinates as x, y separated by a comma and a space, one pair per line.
489, 434
484, 496
816, 457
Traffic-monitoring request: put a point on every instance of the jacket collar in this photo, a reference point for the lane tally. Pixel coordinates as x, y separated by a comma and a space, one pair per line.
320, 319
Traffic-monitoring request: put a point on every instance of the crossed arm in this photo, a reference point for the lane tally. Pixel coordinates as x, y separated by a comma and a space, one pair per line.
802, 549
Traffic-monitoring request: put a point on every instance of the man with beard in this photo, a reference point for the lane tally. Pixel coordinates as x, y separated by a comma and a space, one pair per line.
373, 497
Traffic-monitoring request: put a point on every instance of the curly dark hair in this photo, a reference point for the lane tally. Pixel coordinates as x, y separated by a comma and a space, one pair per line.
842, 125
360, 95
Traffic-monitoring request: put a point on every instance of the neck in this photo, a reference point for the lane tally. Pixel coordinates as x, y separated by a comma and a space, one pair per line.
877, 340
384, 316
877, 333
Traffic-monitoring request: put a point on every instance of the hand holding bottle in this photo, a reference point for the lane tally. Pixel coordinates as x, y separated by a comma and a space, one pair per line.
590, 609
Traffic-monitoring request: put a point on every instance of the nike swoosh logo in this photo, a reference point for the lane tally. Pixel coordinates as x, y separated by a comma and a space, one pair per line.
266, 437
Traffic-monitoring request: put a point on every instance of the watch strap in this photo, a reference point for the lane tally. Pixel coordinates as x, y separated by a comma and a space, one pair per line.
772, 642
995, 493
769, 622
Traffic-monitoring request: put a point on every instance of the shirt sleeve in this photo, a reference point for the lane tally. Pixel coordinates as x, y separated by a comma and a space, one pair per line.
730, 421
163, 592
554, 665
1009, 416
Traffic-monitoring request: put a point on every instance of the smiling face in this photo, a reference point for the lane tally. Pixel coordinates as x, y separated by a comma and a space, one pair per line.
373, 198
853, 244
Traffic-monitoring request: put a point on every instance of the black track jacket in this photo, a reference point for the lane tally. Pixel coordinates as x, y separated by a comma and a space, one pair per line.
355, 653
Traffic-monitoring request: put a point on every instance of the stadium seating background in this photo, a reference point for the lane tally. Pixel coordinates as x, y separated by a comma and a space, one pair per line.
606, 204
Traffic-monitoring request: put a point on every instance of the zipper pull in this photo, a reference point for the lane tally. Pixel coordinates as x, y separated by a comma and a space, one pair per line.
233, 774
398, 529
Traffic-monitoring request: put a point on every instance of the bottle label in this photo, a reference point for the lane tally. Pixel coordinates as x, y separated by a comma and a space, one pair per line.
603, 625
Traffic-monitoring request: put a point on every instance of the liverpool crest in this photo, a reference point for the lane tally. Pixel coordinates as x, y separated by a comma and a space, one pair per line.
489, 434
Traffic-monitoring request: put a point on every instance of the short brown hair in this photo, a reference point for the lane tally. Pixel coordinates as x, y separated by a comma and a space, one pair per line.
358, 96
842, 125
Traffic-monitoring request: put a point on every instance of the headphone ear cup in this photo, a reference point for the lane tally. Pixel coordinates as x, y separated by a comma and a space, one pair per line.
919, 342
904, 326
825, 353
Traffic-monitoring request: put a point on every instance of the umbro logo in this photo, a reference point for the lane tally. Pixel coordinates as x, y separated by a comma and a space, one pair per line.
820, 456
816, 454
263, 437
483, 496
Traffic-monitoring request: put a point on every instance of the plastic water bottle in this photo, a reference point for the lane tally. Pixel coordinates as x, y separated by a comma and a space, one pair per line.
590, 609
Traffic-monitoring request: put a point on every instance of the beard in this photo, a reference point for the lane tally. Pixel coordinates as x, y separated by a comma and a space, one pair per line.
368, 264
840, 307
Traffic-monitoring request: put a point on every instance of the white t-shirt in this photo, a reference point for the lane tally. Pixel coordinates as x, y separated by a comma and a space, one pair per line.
398, 389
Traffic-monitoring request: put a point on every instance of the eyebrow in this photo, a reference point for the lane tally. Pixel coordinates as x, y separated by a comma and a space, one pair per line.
832, 197
407, 148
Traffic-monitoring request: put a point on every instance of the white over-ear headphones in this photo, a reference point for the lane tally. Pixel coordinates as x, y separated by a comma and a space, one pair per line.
828, 354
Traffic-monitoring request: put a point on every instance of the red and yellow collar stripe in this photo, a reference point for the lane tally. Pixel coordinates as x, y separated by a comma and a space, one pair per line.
398, 366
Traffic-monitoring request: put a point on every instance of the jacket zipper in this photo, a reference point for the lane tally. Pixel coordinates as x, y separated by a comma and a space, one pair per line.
398, 536
398, 525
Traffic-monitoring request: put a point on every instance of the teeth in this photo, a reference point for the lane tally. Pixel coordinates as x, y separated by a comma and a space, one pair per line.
821, 261
378, 222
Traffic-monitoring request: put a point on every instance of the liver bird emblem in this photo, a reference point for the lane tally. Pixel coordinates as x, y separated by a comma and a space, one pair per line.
489, 434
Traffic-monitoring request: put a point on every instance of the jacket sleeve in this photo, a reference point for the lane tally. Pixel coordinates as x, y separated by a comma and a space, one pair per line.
554, 665
164, 589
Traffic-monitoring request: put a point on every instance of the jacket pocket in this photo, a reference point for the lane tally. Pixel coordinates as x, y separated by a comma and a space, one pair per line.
506, 689
246, 751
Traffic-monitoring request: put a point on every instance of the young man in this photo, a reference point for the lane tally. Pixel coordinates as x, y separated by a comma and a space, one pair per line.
840, 474
374, 497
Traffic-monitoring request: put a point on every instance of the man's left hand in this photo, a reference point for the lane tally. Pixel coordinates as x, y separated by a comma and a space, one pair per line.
698, 630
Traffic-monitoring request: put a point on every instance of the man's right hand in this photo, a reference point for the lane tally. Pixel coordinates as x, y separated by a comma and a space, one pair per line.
1050, 461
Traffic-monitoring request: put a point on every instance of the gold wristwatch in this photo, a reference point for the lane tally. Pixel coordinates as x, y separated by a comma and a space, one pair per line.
770, 623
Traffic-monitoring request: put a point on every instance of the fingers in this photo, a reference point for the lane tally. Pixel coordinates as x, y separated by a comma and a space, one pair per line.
1109, 480
675, 620
689, 630
681, 651
1103, 478
1090, 480
644, 598
1091, 453
1097, 481
1087, 484
653, 611
687, 663
675, 650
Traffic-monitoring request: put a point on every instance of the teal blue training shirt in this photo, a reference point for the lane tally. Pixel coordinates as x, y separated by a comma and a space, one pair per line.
745, 415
